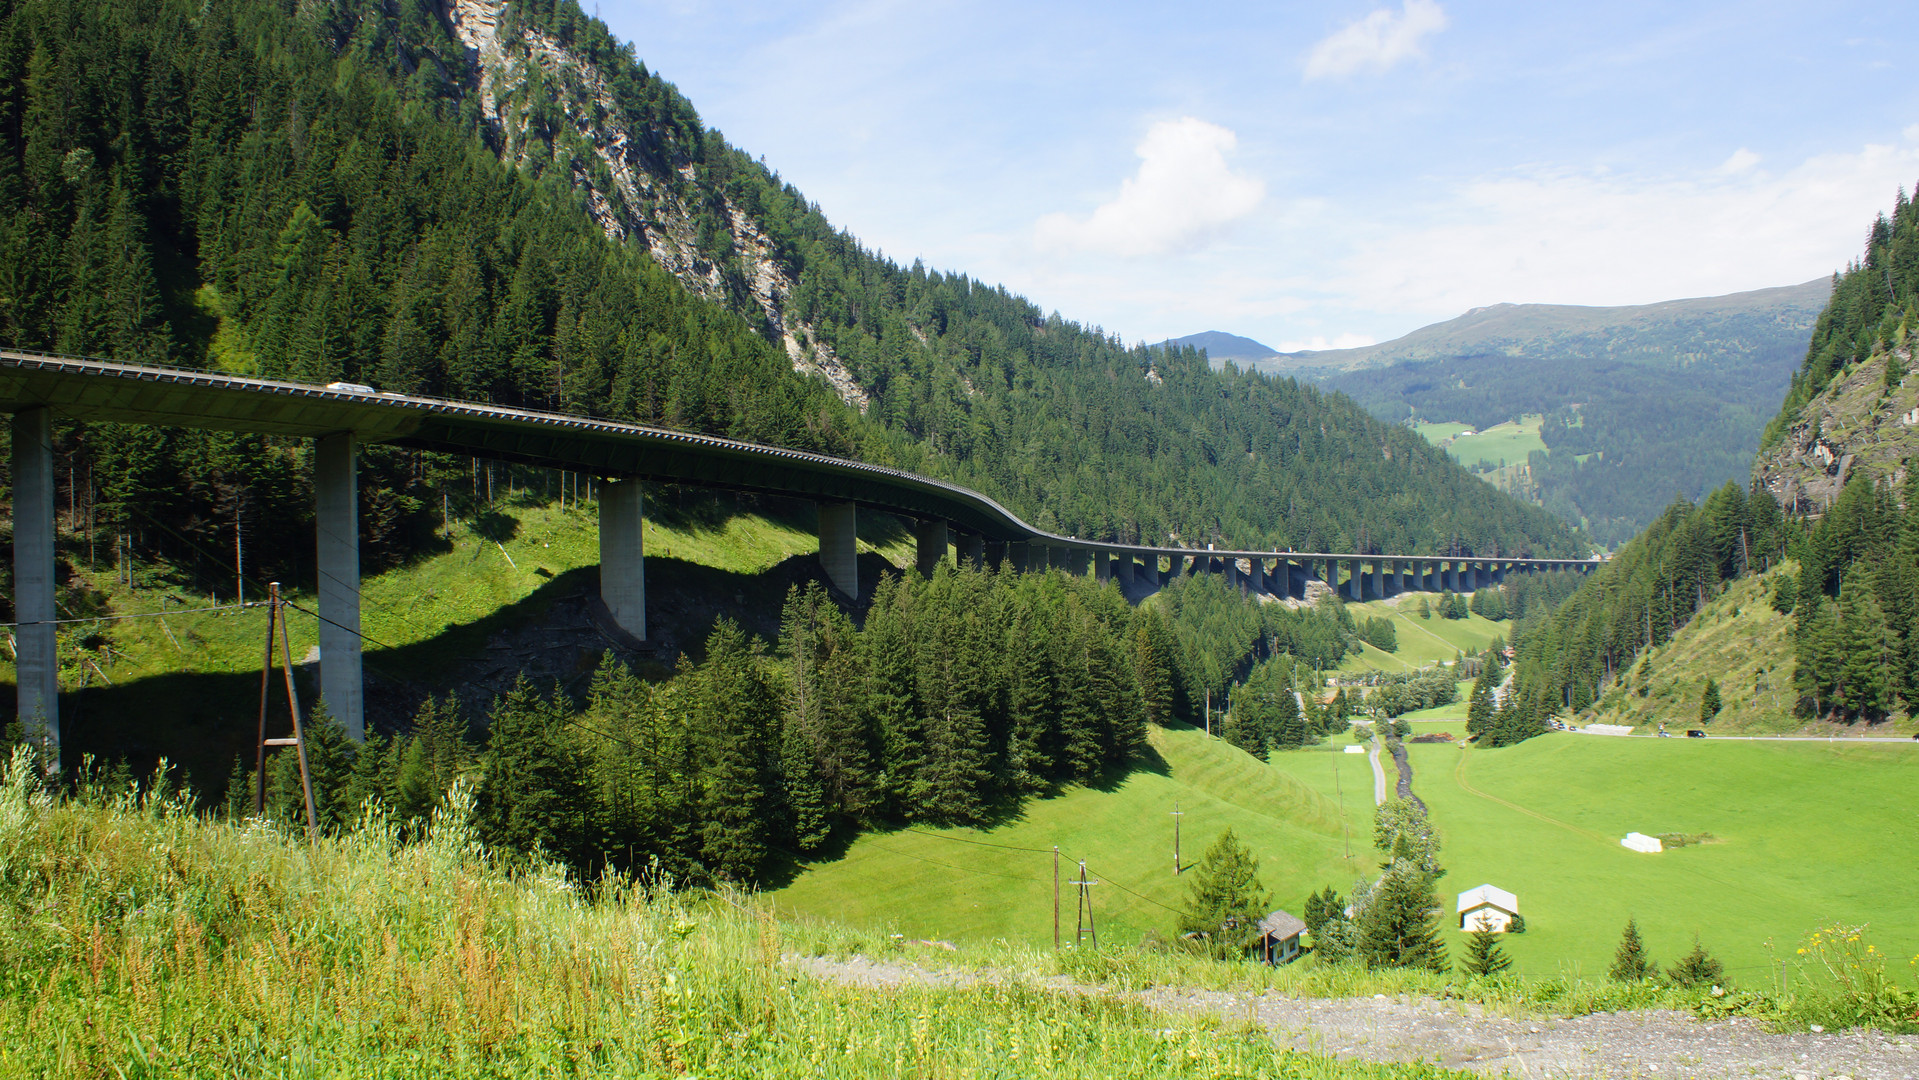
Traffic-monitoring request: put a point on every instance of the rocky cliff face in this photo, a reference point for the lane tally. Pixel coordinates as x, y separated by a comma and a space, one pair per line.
1859, 425
550, 108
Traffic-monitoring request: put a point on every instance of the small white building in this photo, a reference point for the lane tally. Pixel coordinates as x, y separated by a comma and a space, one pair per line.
1488, 908
1639, 841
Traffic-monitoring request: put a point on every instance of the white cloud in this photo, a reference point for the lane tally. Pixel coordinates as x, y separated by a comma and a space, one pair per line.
1741, 160
1321, 344
1572, 237
1377, 41
1183, 195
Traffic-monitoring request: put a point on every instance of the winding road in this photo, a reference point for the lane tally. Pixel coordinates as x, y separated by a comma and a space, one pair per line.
1379, 774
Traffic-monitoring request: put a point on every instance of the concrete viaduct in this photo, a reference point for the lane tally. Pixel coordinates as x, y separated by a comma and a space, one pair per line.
35, 387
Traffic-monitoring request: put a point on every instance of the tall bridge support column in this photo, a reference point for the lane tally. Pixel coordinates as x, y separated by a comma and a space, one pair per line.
1469, 578
1355, 580
623, 554
993, 555
1423, 573
1499, 573
336, 501
934, 539
1123, 568
975, 549
839, 546
1408, 582
1102, 566
1229, 568
36, 651
1452, 576
1149, 569
1379, 580
1256, 580
1018, 556
1079, 562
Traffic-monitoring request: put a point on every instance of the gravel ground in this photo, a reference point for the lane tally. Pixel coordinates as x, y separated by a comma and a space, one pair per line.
1461, 1036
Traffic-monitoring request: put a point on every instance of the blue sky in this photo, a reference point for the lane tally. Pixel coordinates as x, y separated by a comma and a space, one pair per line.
1317, 174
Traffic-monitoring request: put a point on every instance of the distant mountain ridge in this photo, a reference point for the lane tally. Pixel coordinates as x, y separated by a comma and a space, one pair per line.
1221, 346
1672, 332
1639, 404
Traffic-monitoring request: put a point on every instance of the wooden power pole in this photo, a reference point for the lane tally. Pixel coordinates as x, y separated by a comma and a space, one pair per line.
1055, 897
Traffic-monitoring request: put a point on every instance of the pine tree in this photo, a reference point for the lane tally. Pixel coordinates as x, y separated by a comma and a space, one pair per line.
1630, 962
1225, 899
1484, 957
532, 796
1709, 702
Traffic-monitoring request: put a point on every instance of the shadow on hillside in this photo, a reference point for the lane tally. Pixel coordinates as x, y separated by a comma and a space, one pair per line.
553, 636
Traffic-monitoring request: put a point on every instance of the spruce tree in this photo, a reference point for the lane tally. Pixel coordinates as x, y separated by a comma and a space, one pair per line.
1629, 961
1480, 707
1398, 927
1709, 702
1225, 899
532, 796
1484, 957
1696, 969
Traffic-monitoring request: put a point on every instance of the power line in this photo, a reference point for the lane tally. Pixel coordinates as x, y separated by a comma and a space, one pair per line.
137, 615
980, 843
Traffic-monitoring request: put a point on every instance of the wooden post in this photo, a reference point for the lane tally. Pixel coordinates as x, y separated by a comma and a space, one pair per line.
1056, 897
1084, 923
298, 741
1176, 816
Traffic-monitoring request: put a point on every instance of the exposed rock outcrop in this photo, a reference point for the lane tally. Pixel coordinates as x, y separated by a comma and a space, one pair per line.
1856, 426
551, 108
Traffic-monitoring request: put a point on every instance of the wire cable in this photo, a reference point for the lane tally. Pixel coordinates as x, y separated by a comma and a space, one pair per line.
137, 615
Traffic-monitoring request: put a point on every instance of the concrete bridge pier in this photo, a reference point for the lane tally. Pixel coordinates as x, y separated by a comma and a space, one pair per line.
1229, 569
1469, 578
337, 542
839, 547
1355, 580
1452, 575
622, 555
933, 538
1379, 580
975, 551
1019, 556
1149, 569
37, 656
1256, 580
1102, 566
1408, 580
1426, 572
1079, 562
993, 555
1123, 568
1499, 573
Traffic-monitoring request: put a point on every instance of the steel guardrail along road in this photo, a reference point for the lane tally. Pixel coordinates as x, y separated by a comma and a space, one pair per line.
103, 390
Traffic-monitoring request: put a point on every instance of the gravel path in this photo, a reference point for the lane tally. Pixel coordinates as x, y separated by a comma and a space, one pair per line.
1379, 774
1614, 1046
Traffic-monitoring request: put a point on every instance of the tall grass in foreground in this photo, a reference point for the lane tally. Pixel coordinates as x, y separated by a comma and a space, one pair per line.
138, 939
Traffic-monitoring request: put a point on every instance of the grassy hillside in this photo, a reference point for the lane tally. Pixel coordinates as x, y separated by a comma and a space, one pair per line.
1738, 640
997, 883
1421, 641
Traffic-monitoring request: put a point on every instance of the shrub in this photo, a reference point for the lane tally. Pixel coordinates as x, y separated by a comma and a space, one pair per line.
1696, 969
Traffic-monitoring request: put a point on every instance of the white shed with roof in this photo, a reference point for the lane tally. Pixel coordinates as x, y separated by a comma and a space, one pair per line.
1487, 907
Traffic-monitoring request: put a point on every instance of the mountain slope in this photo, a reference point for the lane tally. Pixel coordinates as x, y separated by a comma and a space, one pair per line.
321, 195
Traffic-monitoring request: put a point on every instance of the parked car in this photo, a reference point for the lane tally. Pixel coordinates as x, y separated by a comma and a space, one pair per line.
1695, 733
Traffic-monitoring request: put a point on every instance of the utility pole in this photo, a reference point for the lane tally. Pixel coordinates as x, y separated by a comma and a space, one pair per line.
1085, 924
1055, 897
298, 740
239, 559
1209, 710
1176, 816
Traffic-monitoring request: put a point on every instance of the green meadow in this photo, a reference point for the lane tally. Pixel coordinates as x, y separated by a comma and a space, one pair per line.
1801, 834
1509, 442
1422, 642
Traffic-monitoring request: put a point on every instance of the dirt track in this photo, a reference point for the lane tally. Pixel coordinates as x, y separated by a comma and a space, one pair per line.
1462, 1036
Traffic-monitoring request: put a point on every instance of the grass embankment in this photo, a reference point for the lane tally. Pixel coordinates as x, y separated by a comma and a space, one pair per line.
143, 941
963, 884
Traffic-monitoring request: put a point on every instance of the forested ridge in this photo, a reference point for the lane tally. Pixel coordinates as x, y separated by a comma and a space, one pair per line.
313, 192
